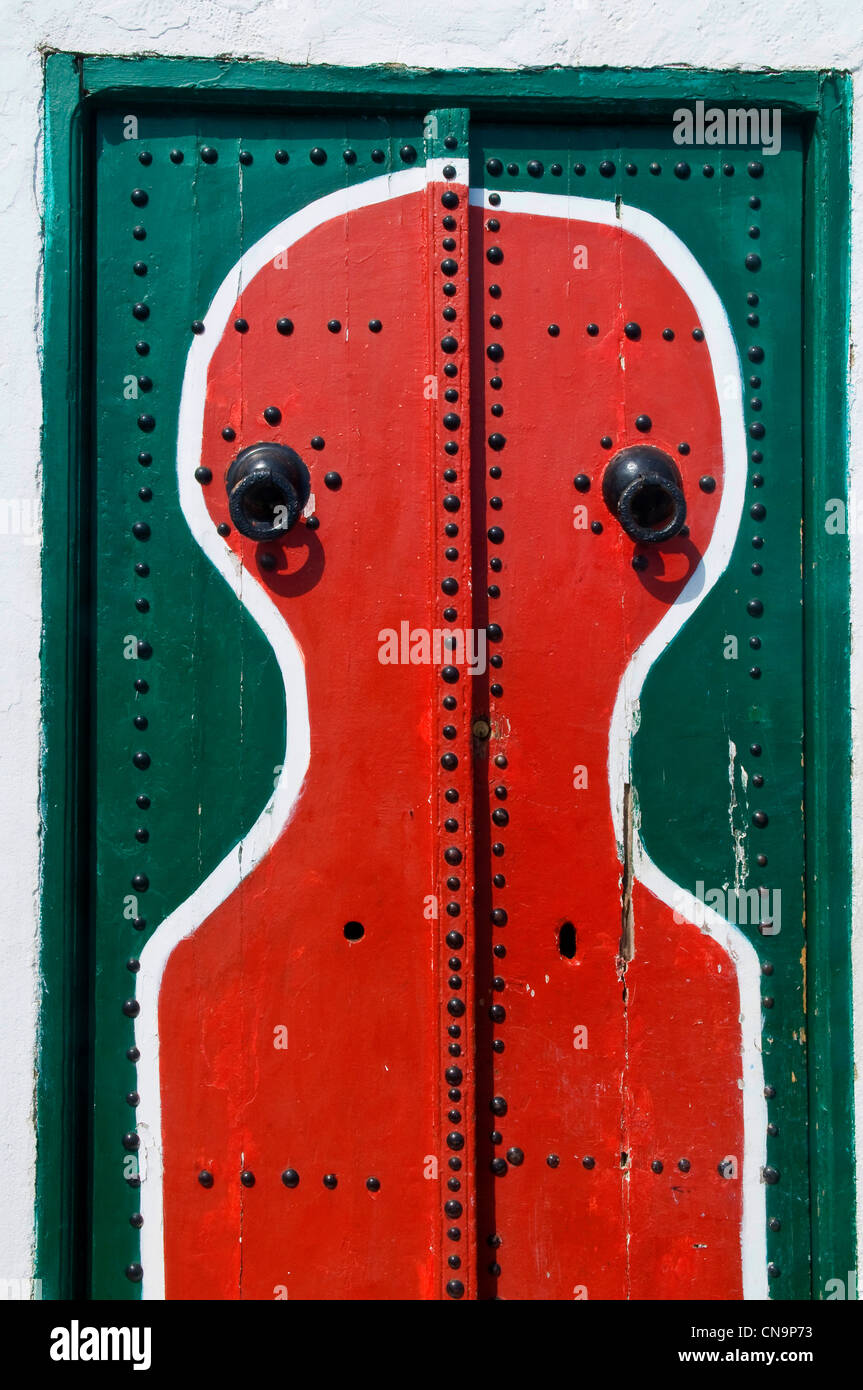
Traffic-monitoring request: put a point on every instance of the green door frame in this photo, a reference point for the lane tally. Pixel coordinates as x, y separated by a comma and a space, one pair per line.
75, 88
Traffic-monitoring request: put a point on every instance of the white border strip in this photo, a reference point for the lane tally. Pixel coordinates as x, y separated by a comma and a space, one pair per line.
726, 370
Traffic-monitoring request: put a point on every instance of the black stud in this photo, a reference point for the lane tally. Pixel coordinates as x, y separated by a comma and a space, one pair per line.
643, 423
290, 1177
330, 1181
588, 1162
209, 155
134, 1272
139, 198
606, 168
684, 1165
656, 1165
139, 233
373, 1184
449, 199
141, 312
131, 1008
497, 1013
770, 1175
203, 474
668, 334
334, 326
707, 484
498, 1166
495, 534
759, 818
285, 327
494, 254
496, 442
333, 481
273, 415
632, 331
515, 1157
455, 1288
197, 326
753, 262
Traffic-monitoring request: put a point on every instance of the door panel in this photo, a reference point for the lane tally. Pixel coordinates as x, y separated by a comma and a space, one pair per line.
342, 828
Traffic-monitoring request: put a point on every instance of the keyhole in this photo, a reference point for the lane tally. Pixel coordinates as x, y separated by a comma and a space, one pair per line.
566, 940
652, 505
354, 931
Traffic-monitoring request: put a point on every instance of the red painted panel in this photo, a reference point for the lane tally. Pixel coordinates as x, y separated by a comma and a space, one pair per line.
605, 1070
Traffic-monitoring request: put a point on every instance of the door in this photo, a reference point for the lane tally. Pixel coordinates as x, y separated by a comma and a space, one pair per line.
448, 713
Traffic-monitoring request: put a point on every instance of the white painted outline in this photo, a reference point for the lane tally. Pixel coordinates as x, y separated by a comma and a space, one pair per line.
276, 815
710, 313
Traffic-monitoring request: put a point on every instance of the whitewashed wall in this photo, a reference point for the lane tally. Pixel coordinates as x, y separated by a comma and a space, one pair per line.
509, 33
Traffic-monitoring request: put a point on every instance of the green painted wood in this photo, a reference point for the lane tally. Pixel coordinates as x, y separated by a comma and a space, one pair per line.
76, 90
568, 91
828, 694
62, 1080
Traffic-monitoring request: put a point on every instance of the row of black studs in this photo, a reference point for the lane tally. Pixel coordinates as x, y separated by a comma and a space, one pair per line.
289, 1178
317, 155
496, 444
283, 326
140, 759
608, 169
454, 228
755, 609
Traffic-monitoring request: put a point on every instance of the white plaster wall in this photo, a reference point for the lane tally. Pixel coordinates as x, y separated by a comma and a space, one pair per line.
510, 33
